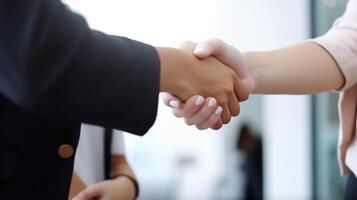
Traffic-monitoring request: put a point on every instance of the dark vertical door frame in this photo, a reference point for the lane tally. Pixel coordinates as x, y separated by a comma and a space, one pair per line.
314, 130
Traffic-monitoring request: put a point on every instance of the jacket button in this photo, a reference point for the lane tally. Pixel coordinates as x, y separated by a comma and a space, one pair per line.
65, 151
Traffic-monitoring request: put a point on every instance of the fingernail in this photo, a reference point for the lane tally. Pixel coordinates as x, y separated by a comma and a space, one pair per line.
212, 102
199, 101
200, 50
219, 110
174, 104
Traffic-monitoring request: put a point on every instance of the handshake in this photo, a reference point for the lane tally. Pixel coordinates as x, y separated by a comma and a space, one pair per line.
204, 83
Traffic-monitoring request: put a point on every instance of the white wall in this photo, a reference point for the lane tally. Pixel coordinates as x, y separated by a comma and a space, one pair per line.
287, 147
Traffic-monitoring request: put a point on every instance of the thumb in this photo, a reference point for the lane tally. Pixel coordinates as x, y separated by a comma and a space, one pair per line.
211, 47
228, 55
90, 192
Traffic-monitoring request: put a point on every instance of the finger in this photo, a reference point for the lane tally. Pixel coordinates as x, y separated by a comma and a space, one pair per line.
233, 105
204, 113
226, 115
218, 125
240, 89
211, 47
190, 108
171, 100
224, 52
212, 120
90, 192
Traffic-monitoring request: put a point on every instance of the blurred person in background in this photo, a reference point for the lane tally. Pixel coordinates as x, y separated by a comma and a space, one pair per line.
251, 147
101, 170
323, 64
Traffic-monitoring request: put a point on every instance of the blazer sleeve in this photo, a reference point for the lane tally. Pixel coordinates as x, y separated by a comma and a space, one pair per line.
53, 64
341, 42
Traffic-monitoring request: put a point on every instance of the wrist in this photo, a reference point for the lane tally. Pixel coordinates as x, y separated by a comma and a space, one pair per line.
172, 72
131, 179
251, 79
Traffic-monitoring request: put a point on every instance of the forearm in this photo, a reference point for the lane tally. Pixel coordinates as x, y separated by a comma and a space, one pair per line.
77, 185
300, 69
119, 165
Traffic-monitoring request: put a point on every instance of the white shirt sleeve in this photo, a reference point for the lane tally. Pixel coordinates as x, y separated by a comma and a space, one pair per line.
118, 146
341, 42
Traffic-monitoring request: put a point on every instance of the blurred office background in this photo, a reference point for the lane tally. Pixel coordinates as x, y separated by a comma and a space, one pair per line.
299, 133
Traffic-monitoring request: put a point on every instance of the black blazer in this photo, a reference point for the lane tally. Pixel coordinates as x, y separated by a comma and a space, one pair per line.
54, 74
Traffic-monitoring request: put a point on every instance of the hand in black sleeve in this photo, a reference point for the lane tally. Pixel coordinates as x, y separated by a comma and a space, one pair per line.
52, 64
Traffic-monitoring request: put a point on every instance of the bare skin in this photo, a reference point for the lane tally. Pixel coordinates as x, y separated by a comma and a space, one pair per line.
184, 75
120, 188
304, 68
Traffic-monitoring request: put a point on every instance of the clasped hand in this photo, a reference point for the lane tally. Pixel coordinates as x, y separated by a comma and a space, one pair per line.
212, 110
